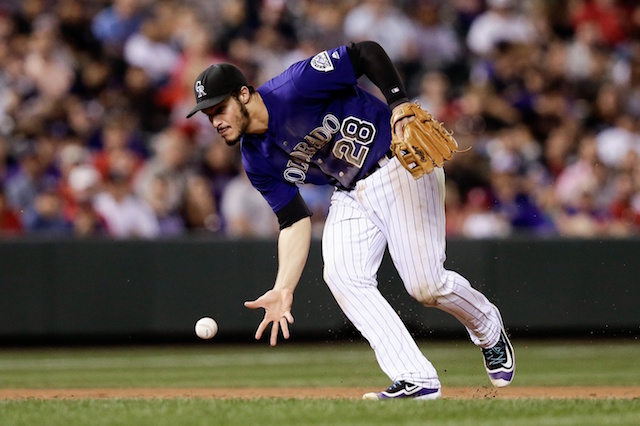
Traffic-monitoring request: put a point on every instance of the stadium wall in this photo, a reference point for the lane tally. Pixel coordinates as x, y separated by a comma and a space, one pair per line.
103, 290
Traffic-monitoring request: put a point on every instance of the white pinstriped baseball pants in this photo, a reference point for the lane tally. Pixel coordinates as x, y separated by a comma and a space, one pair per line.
391, 208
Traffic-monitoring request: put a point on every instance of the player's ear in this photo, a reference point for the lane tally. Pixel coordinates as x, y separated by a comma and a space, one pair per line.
244, 95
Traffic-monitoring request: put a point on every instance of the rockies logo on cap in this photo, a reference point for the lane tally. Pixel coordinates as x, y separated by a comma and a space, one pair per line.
200, 89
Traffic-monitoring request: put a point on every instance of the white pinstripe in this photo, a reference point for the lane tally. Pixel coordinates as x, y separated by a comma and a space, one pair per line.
390, 207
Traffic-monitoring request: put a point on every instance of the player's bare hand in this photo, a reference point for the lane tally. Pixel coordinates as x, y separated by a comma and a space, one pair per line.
277, 312
398, 128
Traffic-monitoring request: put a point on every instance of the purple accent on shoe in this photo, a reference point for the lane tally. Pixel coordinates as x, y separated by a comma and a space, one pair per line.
421, 392
504, 375
402, 389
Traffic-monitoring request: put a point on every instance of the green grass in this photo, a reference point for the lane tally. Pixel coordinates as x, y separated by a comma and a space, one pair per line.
319, 412
290, 365
209, 364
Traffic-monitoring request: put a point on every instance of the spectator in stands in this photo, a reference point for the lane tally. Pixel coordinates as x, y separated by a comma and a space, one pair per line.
234, 20
309, 43
386, 23
126, 215
68, 157
514, 203
583, 217
480, 221
22, 187
45, 216
5, 167
114, 24
437, 43
501, 23
274, 38
196, 52
200, 210
84, 182
150, 48
47, 62
559, 147
320, 23
10, 223
219, 165
625, 206
580, 174
118, 139
608, 19
607, 109
75, 27
138, 93
162, 180
615, 144
434, 94
581, 53
454, 208
245, 211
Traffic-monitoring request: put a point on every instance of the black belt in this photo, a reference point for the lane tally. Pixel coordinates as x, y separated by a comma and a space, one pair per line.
387, 156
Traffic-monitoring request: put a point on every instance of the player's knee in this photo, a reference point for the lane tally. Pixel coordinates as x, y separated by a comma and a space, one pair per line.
429, 293
333, 281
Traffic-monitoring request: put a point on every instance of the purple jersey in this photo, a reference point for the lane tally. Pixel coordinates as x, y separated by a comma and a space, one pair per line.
323, 129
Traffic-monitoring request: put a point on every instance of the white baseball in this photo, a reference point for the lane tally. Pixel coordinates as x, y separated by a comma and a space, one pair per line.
206, 328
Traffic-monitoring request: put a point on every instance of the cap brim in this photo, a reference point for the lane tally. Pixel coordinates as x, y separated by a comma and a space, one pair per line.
207, 103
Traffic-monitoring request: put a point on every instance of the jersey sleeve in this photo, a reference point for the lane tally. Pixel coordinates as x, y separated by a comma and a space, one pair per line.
277, 193
265, 179
324, 74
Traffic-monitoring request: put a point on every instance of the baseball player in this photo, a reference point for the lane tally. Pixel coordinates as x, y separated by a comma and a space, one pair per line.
313, 124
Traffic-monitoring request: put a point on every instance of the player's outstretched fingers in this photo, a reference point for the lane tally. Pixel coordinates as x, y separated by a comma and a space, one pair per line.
260, 330
284, 325
252, 304
289, 318
274, 333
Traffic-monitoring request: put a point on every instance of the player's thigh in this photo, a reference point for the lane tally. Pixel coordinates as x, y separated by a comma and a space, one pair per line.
352, 245
417, 234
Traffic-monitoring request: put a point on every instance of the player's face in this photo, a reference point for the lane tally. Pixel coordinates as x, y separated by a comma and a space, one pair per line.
230, 118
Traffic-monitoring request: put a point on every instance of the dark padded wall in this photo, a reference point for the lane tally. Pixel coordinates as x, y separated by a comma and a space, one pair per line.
158, 289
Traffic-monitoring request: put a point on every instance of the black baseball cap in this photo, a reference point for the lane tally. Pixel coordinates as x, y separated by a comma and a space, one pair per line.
214, 84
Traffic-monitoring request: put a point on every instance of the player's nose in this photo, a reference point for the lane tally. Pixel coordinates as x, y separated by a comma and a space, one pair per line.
215, 121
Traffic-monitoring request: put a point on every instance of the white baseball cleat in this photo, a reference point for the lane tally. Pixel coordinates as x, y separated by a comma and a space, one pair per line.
500, 362
402, 389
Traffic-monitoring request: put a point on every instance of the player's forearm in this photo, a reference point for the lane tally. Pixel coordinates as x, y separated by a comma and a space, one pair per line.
293, 250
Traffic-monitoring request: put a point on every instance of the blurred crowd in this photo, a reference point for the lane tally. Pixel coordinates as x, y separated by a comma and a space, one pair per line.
94, 93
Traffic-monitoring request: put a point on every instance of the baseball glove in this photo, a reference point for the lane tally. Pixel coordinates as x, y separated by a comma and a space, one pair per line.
427, 144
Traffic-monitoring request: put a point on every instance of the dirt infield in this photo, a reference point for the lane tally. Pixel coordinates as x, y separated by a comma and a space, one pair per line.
588, 392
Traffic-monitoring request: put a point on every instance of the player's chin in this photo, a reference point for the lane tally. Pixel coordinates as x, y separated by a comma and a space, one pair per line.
232, 142
231, 138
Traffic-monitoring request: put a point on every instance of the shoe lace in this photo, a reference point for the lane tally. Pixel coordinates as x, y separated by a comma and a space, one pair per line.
396, 386
495, 356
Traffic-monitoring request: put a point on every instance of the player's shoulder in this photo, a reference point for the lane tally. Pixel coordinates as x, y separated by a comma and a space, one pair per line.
278, 88
316, 77
325, 61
